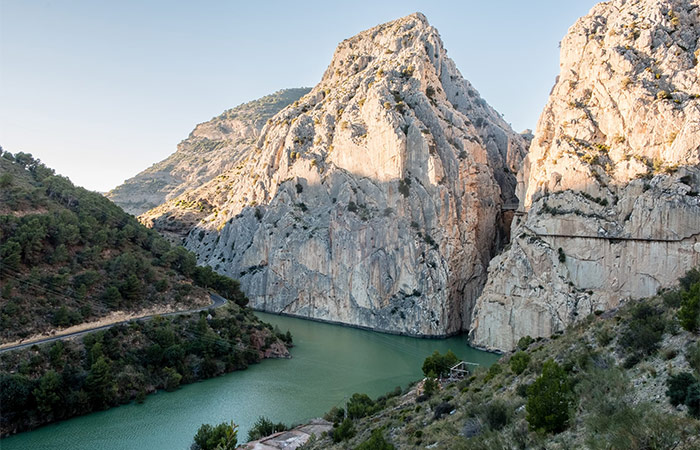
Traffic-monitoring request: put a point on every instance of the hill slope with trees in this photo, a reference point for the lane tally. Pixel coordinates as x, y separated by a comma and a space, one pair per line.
69, 256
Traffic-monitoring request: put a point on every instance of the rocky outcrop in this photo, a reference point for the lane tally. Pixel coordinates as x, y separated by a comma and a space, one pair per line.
609, 191
374, 200
212, 148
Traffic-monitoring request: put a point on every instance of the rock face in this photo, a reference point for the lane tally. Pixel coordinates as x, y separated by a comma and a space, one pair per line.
609, 190
375, 200
211, 148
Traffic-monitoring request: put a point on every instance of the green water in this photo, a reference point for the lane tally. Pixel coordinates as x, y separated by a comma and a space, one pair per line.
329, 363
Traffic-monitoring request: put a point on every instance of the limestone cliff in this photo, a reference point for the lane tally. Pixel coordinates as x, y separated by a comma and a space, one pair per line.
211, 148
375, 200
609, 190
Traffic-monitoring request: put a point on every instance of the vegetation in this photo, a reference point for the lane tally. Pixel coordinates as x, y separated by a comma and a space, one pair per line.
63, 379
578, 389
437, 365
375, 442
69, 256
221, 437
265, 427
518, 362
549, 399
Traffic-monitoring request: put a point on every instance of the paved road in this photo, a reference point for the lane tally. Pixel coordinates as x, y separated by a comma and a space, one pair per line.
217, 302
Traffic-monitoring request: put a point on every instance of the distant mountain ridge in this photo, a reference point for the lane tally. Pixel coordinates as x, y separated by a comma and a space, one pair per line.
211, 148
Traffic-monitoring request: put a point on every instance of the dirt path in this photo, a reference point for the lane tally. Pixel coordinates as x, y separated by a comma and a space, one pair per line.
105, 323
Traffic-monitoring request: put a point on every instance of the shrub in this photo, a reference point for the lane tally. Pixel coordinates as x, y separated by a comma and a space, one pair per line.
429, 387
524, 342
519, 362
497, 414
344, 431
644, 331
442, 409
360, 405
692, 400
221, 437
678, 387
335, 415
549, 399
403, 187
375, 442
689, 312
692, 355
494, 370
265, 427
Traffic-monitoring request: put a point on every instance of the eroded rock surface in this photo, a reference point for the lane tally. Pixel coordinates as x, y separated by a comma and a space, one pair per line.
375, 200
609, 190
211, 148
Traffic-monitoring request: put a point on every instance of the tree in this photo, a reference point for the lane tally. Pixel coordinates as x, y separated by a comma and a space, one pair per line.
100, 384
549, 399
221, 437
47, 394
439, 365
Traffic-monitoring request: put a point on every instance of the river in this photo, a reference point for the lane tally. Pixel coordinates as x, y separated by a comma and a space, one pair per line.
329, 363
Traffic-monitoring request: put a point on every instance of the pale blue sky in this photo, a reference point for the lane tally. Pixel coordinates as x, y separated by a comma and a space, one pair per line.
100, 90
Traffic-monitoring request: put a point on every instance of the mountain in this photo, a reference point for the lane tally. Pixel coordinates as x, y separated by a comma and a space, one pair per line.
211, 148
70, 256
375, 200
609, 206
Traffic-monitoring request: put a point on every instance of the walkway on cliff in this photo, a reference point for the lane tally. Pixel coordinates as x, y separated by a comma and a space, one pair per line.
613, 239
217, 302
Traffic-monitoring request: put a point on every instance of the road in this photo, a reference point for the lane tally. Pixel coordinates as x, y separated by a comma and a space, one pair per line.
217, 302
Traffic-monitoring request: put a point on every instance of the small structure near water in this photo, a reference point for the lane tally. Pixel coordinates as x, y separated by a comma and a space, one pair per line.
460, 370
290, 439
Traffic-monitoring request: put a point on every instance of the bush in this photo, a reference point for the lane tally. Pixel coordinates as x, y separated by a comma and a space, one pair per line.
644, 331
519, 362
430, 386
344, 431
375, 442
549, 399
689, 312
524, 342
497, 415
335, 415
439, 365
442, 409
679, 388
220, 437
692, 355
494, 370
265, 427
360, 405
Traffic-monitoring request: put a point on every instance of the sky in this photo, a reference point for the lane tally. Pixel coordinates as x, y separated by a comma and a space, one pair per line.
100, 90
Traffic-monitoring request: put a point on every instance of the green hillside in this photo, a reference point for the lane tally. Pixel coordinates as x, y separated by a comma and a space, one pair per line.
68, 256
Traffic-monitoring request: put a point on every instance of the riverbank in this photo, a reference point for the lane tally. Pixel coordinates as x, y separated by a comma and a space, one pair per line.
328, 364
63, 379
